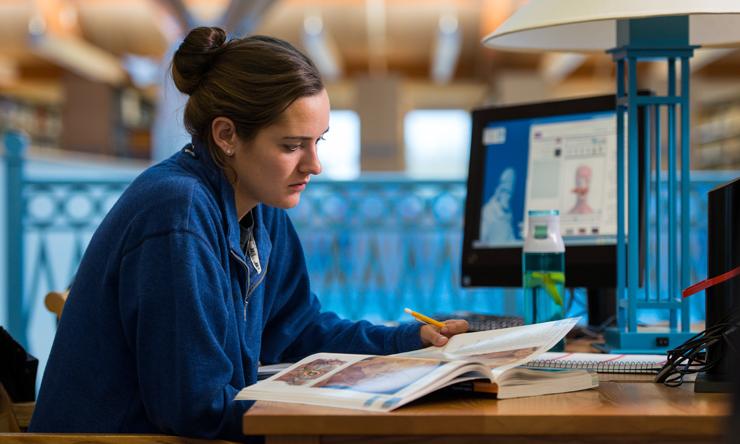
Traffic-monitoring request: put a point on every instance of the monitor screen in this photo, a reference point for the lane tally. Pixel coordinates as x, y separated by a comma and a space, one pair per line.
551, 155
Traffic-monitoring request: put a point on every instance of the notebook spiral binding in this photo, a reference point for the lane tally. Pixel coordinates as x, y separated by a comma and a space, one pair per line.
598, 366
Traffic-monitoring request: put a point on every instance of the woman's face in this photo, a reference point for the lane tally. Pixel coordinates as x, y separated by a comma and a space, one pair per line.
275, 167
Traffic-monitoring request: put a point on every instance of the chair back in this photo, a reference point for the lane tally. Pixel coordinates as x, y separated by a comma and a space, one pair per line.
8, 421
55, 300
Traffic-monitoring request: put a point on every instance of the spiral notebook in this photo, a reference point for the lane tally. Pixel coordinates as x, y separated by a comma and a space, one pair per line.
600, 362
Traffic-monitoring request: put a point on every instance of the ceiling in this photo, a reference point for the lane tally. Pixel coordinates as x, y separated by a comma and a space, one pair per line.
40, 40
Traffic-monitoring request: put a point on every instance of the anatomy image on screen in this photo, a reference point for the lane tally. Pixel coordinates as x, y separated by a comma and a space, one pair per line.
496, 219
582, 184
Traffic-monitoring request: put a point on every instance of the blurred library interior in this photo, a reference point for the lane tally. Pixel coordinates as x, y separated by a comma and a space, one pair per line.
87, 82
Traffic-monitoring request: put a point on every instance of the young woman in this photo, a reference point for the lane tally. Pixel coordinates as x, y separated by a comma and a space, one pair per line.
196, 276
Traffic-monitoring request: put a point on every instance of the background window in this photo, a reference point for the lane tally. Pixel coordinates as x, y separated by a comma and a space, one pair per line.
437, 143
339, 153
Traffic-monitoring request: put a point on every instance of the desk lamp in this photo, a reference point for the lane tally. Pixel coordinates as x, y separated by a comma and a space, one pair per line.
635, 31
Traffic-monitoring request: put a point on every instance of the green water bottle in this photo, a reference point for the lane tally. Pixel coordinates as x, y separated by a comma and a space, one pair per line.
543, 268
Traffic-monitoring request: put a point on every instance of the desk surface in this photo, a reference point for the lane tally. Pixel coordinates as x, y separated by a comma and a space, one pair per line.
644, 411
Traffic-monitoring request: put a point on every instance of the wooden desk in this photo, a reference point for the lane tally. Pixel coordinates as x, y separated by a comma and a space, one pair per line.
616, 412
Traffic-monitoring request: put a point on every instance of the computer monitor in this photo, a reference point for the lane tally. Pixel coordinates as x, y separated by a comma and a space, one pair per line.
549, 155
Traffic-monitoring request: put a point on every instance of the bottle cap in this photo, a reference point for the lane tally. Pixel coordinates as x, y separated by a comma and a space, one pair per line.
543, 213
543, 232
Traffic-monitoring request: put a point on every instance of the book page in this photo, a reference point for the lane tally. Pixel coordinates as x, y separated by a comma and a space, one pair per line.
367, 382
500, 349
521, 381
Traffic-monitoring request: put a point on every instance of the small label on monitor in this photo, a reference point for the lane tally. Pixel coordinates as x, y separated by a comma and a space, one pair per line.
494, 136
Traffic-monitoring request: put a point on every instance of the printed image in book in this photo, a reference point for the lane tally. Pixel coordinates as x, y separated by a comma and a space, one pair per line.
310, 371
491, 359
380, 374
501, 358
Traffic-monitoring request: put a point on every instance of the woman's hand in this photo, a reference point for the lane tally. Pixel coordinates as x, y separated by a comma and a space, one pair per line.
431, 335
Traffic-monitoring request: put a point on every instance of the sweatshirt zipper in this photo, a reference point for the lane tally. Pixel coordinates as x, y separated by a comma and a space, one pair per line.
246, 270
259, 281
261, 276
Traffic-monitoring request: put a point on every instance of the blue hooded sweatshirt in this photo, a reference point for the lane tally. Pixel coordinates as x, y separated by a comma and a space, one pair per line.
167, 319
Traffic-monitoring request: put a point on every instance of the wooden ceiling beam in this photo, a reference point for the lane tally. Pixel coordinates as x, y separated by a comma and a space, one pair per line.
702, 58
9, 71
555, 67
492, 14
55, 36
80, 57
375, 15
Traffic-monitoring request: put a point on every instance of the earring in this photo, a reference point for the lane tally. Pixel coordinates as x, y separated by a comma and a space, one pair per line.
230, 153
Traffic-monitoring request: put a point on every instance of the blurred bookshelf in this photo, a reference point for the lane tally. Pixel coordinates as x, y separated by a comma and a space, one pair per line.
41, 120
85, 117
717, 135
136, 118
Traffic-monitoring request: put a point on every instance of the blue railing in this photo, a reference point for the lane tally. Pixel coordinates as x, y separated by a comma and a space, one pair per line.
373, 246
49, 223
382, 243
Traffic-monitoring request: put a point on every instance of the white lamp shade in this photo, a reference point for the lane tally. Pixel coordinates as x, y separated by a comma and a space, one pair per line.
591, 25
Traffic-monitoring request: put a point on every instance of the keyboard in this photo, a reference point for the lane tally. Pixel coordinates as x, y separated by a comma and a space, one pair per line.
481, 321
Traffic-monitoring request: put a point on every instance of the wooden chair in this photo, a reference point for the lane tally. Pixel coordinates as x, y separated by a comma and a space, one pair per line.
55, 300
8, 420
98, 438
15, 417
23, 412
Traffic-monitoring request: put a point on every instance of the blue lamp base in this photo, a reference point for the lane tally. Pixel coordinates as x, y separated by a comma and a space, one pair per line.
641, 342
644, 195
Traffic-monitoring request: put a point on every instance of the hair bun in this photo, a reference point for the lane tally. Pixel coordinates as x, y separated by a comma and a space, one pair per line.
195, 57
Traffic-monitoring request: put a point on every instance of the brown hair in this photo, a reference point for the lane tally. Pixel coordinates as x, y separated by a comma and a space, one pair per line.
249, 80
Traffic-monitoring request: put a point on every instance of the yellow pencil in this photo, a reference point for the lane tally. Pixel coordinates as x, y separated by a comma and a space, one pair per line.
425, 319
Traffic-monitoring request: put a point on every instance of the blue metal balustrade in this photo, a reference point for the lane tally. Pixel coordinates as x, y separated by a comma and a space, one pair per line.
379, 244
373, 246
49, 223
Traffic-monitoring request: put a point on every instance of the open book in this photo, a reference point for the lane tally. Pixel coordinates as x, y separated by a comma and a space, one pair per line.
484, 361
